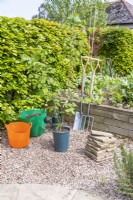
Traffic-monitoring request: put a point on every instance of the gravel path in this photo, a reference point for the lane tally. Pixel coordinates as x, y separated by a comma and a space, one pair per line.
39, 163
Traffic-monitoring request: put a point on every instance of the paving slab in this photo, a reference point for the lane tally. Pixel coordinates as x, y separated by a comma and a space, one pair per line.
82, 195
104, 140
9, 192
100, 133
45, 192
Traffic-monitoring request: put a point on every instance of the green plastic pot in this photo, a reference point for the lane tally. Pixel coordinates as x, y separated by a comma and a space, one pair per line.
37, 118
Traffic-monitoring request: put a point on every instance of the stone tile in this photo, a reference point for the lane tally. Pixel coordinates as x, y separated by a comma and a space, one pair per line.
100, 133
45, 192
102, 139
9, 192
81, 195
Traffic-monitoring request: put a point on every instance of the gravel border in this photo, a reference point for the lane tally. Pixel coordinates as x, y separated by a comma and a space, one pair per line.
39, 163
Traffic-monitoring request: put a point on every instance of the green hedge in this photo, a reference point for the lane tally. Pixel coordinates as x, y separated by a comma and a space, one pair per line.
37, 58
117, 43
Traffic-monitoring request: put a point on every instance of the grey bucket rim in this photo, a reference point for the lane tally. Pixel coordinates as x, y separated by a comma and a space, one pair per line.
62, 132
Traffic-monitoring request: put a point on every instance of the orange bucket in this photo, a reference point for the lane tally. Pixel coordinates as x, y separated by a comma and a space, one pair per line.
18, 134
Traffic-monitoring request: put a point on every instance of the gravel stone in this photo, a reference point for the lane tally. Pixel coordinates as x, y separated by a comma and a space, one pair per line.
39, 163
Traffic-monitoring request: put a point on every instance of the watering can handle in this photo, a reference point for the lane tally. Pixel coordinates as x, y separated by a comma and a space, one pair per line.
30, 124
47, 120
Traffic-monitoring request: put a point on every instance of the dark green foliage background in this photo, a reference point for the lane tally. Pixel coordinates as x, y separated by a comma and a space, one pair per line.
37, 58
117, 44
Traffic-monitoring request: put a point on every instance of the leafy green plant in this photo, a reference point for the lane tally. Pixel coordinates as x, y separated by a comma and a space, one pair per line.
35, 63
124, 171
61, 105
115, 91
117, 44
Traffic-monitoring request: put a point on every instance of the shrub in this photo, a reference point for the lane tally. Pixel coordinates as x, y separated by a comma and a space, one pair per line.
38, 58
118, 45
116, 91
124, 171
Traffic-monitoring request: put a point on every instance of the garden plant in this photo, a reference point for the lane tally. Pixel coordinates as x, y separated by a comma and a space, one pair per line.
124, 171
35, 63
115, 91
40, 68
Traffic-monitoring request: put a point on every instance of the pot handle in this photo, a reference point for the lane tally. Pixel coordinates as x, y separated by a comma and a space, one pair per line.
30, 124
47, 120
6, 125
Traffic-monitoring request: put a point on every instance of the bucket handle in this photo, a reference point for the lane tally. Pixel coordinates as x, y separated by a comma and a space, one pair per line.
30, 124
6, 125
